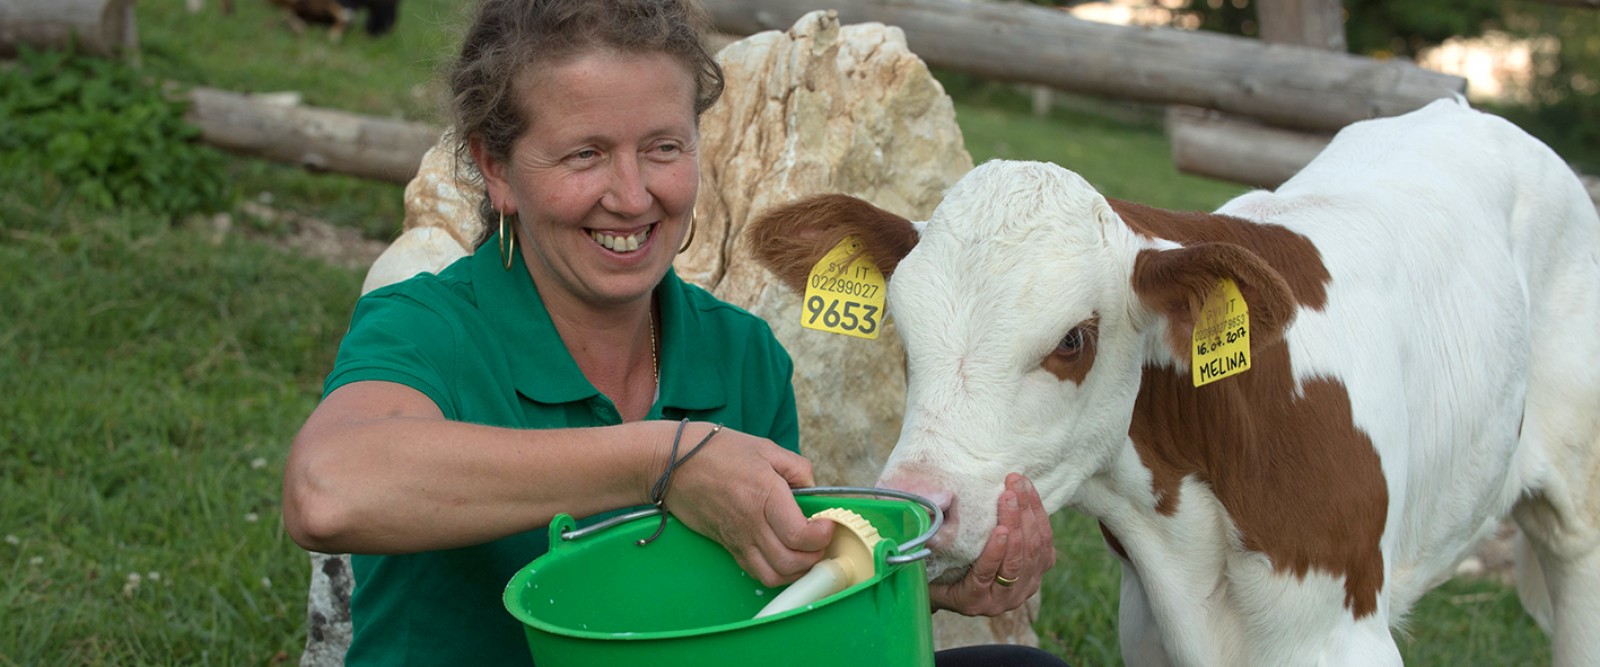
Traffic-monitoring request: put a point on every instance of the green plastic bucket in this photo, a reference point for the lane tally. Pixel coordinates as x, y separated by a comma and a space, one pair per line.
597, 598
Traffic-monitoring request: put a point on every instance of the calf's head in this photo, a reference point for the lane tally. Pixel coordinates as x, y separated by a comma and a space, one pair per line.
1028, 308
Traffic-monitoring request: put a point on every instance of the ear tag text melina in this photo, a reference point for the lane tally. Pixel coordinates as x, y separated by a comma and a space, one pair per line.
844, 293
1221, 335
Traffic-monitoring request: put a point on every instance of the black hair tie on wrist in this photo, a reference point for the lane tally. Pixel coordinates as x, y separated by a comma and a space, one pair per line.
658, 492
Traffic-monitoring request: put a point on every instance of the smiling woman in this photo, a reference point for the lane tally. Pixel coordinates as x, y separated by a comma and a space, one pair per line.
552, 370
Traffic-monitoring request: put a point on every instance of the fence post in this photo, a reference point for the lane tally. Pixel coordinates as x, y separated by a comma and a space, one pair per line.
1315, 23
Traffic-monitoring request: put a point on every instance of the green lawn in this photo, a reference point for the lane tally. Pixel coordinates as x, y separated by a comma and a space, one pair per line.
155, 370
153, 378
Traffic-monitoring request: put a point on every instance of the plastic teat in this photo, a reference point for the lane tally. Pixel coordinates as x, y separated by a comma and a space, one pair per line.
847, 563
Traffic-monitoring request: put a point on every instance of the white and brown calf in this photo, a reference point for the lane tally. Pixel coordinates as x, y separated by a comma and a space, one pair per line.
1424, 300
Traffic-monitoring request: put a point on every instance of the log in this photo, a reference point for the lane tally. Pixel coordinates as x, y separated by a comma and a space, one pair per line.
101, 27
1236, 149
317, 139
1232, 148
1283, 85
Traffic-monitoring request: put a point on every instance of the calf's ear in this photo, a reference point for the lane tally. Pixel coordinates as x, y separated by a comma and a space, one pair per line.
789, 239
1175, 283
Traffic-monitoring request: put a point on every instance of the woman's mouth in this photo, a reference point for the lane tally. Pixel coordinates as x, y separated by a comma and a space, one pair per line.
623, 243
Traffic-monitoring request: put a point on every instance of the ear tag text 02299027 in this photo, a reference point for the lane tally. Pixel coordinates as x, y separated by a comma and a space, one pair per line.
845, 292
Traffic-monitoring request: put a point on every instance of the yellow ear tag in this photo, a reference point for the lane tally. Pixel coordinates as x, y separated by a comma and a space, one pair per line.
1221, 335
844, 294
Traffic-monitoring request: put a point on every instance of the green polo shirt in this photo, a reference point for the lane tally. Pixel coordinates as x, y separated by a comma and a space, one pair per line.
476, 339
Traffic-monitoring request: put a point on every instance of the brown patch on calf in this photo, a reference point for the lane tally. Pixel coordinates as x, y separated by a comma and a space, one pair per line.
1302, 484
789, 239
1074, 364
1291, 255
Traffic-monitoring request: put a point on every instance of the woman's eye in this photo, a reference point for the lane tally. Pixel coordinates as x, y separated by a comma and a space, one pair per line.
1071, 343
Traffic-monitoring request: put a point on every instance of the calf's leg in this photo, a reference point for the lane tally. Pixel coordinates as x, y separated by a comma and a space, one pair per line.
1559, 513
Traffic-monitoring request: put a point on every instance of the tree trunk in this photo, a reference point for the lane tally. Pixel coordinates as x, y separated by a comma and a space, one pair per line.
1282, 85
101, 27
317, 139
1318, 24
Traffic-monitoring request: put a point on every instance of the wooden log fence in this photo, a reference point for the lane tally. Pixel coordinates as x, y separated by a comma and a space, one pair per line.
1236, 149
1281, 85
1240, 150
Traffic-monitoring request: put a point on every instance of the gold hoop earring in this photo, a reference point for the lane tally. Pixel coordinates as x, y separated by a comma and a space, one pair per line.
508, 242
689, 239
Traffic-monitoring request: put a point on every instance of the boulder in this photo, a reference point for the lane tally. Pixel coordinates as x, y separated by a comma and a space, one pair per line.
822, 109
328, 611
441, 220
817, 109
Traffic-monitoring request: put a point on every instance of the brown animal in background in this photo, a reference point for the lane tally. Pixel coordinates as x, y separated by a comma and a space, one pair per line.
339, 14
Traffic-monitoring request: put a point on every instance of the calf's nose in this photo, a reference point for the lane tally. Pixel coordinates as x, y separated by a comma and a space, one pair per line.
935, 493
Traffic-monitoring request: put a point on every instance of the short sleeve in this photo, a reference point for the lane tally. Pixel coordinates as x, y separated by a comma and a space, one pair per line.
396, 338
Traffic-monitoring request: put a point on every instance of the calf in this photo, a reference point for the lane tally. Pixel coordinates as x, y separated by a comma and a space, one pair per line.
1424, 358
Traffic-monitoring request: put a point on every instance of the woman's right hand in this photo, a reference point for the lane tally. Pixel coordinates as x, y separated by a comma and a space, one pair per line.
738, 491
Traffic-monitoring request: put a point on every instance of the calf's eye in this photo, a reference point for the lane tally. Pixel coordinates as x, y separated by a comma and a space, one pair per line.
1072, 343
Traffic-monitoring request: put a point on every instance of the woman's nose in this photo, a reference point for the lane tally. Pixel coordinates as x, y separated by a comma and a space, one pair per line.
628, 194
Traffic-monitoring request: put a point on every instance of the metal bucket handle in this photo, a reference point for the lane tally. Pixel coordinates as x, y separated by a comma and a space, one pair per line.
914, 543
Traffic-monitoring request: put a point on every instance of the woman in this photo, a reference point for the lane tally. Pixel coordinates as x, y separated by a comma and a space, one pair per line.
551, 370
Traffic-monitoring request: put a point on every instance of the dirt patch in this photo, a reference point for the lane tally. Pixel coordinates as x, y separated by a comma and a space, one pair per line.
299, 234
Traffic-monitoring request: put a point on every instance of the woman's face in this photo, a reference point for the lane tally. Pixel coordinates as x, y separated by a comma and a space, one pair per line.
604, 178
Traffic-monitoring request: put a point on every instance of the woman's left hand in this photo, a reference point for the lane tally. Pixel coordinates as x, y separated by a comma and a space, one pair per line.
1013, 561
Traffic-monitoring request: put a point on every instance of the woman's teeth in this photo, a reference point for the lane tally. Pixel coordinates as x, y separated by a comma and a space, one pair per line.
618, 243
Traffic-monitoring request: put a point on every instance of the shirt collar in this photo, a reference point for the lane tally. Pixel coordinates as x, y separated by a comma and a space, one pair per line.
544, 371
691, 359
541, 367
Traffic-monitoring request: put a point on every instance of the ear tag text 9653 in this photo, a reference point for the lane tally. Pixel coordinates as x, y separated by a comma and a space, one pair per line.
844, 293
1221, 335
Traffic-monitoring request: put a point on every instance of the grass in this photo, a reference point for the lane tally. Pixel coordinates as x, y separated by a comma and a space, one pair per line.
154, 376
252, 51
155, 372
1121, 151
